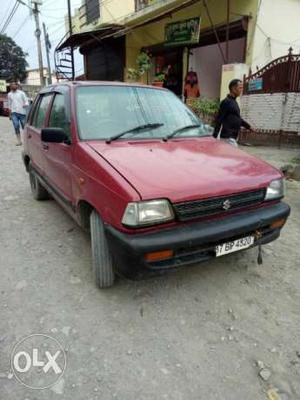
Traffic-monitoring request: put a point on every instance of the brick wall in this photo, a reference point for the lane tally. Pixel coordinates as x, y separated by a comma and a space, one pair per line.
275, 112
270, 138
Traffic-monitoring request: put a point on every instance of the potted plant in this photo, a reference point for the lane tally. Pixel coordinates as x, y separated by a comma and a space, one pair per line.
159, 80
205, 108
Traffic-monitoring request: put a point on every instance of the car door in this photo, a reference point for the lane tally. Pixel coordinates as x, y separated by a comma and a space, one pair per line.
35, 123
58, 156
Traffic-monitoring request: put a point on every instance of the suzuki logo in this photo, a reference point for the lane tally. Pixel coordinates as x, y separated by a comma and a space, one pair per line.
227, 205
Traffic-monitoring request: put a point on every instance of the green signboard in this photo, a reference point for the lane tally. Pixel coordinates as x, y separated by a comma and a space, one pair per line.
2, 86
183, 32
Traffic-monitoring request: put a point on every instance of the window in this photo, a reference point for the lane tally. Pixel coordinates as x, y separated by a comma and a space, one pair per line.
92, 10
32, 109
105, 111
58, 117
141, 4
41, 111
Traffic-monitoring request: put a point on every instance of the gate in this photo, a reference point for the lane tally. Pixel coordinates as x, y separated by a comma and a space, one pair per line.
271, 102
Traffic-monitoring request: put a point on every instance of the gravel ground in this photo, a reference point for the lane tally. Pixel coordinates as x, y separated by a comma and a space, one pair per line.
203, 332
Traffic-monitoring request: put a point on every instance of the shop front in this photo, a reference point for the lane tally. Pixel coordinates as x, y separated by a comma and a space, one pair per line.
167, 58
3, 98
104, 60
189, 47
208, 57
103, 54
167, 71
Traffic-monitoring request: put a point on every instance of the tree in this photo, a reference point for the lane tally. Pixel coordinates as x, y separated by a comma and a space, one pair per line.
12, 60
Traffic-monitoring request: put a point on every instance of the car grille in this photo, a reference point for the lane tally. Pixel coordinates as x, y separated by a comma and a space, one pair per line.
199, 208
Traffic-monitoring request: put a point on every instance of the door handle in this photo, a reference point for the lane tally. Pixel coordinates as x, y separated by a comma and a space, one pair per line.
29, 136
45, 146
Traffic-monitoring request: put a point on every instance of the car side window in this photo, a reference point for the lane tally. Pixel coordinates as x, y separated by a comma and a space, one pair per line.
33, 113
41, 111
32, 108
58, 116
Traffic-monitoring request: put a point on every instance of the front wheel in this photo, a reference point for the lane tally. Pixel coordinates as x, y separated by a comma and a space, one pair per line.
102, 260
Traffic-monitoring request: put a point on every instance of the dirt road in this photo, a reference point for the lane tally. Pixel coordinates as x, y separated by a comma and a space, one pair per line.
194, 334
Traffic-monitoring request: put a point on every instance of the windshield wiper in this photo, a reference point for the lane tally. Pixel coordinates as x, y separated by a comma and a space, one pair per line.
135, 130
184, 128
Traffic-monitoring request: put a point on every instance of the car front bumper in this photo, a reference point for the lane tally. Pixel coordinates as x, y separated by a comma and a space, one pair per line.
191, 242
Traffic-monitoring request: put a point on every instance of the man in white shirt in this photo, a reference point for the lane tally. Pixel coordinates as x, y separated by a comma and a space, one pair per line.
17, 104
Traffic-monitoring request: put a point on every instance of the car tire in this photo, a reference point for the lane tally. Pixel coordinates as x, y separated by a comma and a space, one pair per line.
102, 259
37, 189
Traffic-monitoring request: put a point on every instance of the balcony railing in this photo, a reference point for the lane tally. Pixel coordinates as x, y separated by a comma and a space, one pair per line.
141, 4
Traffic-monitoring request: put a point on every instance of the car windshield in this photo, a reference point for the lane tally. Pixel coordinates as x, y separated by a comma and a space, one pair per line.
106, 111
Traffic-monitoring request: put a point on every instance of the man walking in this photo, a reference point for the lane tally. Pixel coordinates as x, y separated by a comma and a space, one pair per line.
17, 104
229, 120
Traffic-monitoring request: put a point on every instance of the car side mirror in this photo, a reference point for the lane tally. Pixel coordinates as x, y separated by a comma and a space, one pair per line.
54, 135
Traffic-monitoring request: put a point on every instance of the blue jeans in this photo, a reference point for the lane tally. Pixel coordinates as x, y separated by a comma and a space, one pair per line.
17, 120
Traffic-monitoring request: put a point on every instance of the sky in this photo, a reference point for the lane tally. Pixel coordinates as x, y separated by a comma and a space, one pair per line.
22, 27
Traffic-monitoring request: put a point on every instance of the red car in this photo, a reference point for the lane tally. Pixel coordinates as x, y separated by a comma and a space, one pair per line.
138, 170
4, 111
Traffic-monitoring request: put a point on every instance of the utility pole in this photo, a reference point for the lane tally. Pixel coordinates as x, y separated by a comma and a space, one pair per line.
70, 33
48, 47
36, 11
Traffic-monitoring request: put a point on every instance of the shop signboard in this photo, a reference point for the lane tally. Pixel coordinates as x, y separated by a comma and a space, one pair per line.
255, 84
183, 32
2, 86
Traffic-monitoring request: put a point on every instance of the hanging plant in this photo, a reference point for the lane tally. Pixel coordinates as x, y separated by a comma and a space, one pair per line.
133, 74
143, 62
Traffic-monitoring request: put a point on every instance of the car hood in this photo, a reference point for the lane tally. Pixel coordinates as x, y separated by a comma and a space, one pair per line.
185, 169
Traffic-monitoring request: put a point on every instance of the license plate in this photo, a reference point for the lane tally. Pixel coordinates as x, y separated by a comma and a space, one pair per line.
236, 245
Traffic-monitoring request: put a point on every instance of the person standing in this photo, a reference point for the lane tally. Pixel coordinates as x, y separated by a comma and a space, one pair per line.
17, 104
229, 120
191, 87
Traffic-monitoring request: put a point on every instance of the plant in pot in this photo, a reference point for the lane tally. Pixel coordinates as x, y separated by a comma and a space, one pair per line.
206, 109
159, 79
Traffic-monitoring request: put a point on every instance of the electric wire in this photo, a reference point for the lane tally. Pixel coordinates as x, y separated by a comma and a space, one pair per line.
5, 14
24, 22
10, 17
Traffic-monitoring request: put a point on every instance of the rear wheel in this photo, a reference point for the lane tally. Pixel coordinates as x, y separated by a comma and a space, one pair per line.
37, 189
102, 259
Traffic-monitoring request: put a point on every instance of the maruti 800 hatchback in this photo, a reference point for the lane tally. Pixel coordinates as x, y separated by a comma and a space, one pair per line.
137, 169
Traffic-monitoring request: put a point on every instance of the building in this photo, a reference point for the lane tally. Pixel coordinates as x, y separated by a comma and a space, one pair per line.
95, 13
3, 98
184, 35
31, 85
168, 37
33, 77
276, 30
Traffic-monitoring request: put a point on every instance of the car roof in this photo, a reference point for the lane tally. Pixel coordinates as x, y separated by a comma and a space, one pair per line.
53, 87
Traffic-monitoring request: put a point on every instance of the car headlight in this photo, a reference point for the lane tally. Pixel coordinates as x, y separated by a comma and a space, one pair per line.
275, 190
147, 213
